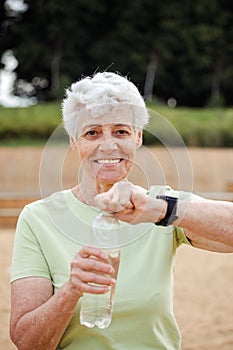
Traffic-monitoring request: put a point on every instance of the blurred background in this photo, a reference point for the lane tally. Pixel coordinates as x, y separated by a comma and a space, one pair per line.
179, 54
186, 49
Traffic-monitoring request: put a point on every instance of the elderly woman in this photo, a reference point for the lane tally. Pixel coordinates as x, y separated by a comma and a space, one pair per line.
104, 117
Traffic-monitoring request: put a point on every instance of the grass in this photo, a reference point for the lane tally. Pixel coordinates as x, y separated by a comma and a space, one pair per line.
207, 127
29, 125
198, 127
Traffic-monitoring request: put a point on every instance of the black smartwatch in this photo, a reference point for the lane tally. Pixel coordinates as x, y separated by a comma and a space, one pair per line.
170, 216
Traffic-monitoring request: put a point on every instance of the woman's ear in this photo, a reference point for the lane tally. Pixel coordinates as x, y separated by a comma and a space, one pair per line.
139, 138
73, 144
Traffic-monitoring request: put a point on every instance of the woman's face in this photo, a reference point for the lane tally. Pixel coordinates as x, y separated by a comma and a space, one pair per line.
107, 146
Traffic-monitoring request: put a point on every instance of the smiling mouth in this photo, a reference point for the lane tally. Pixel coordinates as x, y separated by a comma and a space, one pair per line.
109, 161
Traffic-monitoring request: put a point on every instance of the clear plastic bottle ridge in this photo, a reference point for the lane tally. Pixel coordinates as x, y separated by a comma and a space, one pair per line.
96, 309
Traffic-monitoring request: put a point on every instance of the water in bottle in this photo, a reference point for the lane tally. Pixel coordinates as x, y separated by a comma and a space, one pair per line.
96, 309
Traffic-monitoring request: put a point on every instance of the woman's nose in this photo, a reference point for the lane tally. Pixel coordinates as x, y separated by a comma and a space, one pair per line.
108, 145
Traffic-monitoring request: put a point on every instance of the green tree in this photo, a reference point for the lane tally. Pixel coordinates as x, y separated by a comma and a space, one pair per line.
194, 57
178, 49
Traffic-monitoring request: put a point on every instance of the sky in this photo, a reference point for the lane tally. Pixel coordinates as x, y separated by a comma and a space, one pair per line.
7, 75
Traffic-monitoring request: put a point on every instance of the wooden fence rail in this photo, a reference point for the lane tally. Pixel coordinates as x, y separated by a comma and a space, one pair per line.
10, 207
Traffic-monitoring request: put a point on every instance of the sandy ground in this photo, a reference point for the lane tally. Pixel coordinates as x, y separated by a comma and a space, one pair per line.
6, 242
203, 297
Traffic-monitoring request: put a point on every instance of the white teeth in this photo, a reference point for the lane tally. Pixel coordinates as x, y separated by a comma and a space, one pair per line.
108, 161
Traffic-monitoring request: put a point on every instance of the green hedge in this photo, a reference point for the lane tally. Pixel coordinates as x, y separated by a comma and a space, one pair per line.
30, 125
197, 127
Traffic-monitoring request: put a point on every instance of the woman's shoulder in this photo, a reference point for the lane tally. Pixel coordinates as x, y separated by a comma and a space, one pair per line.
56, 200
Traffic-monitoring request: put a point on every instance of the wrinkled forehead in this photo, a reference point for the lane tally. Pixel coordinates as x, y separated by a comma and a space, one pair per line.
116, 116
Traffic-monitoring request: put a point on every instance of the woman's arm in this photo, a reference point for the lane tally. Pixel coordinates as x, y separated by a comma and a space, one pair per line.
39, 317
208, 223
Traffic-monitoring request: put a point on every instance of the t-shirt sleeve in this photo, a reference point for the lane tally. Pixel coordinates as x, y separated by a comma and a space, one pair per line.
180, 237
28, 259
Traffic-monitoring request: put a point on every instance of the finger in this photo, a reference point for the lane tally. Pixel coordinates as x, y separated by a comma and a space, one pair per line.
94, 278
129, 215
129, 206
88, 251
89, 288
124, 213
92, 264
113, 204
129, 218
122, 192
116, 199
101, 201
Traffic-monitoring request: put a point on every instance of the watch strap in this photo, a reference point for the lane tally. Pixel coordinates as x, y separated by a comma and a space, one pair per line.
170, 216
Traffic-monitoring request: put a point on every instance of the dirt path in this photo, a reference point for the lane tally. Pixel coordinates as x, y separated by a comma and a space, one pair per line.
203, 297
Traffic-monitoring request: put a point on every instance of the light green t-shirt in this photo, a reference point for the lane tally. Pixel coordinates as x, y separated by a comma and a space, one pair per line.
143, 312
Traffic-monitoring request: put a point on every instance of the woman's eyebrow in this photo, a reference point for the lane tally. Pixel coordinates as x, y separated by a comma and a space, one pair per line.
121, 124
99, 125
91, 126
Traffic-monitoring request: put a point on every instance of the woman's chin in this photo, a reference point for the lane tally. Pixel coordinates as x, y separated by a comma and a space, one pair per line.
110, 178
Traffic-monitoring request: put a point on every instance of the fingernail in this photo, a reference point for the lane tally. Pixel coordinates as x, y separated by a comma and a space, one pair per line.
104, 256
113, 281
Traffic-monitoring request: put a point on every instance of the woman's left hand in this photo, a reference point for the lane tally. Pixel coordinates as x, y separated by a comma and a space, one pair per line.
130, 203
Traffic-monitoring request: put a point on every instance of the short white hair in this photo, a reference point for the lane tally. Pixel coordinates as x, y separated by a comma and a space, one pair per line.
99, 94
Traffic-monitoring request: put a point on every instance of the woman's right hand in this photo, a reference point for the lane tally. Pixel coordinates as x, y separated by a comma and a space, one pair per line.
34, 301
91, 272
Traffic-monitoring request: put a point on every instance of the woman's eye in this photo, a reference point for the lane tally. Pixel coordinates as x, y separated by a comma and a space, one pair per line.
91, 133
122, 132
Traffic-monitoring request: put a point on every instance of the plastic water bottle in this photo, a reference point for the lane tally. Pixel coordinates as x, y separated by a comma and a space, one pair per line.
96, 309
